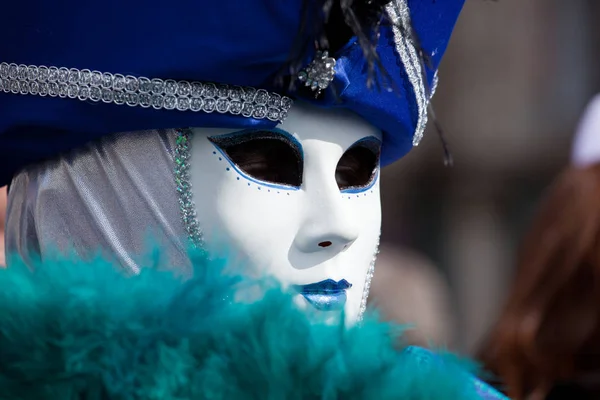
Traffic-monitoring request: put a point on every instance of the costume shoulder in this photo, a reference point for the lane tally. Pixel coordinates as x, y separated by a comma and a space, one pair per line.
82, 329
425, 357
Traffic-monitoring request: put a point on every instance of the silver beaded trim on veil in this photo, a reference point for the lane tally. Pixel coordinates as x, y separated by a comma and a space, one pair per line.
187, 207
400, 16
86, 85
368, 279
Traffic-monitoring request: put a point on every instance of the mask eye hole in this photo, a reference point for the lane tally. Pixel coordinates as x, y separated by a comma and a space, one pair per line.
269, 156
358, 167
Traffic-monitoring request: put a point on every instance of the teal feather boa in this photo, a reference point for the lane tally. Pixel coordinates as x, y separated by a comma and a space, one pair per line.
83, 330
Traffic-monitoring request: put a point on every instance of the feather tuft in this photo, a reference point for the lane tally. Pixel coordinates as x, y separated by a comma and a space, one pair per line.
74, 329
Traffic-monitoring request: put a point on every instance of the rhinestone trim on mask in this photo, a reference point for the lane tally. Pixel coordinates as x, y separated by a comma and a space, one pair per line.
86, 85
367, 288
184, 187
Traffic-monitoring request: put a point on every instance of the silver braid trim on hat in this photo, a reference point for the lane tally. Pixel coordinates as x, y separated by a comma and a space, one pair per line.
399, 15
169, 94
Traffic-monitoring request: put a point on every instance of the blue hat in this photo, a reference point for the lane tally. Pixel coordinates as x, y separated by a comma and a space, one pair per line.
73, 73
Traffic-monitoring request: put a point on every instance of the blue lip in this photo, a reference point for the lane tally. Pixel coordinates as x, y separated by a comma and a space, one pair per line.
327, 295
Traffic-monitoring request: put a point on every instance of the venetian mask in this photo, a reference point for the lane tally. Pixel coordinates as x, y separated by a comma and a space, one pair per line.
300, 202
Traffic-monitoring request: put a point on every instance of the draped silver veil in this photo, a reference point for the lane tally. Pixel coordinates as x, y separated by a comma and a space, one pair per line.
115, 198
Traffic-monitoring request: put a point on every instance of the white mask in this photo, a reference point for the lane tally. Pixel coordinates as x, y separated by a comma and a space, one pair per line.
295, 202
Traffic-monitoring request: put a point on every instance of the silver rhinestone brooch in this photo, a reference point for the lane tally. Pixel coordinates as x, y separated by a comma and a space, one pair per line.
319, 73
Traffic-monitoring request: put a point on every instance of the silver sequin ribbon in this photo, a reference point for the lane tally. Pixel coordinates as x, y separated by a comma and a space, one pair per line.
399, 14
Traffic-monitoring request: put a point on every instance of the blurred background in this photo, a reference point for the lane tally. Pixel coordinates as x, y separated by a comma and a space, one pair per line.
514, 82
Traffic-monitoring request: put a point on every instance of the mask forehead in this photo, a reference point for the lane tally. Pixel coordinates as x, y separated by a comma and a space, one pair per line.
337, 126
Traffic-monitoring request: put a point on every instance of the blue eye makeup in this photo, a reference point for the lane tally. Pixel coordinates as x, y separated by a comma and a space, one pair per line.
271, 157
275, 158
358, 167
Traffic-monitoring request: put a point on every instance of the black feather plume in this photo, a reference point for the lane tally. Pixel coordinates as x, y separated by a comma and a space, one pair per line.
329, 25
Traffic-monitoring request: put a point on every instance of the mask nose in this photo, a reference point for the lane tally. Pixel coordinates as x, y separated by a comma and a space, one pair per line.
325, 239
328, 225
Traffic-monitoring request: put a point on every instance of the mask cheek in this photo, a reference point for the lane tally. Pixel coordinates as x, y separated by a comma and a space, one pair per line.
362, 255
263, 226
208, 171
253, 221
240, 216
